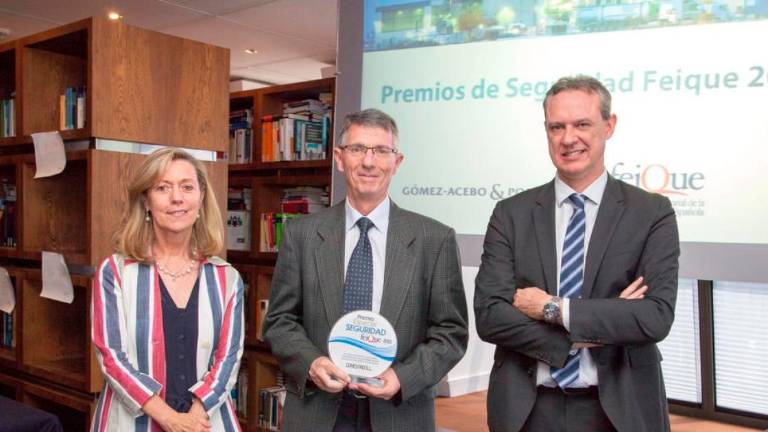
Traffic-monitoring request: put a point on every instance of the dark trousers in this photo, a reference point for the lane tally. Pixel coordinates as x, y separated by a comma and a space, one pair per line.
354, 414
556, 411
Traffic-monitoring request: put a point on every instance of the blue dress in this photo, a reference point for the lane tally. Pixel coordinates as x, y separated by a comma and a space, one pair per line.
180, 330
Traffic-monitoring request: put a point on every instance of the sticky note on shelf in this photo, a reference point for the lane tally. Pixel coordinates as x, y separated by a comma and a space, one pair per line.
50, 157
7, 295
57, 284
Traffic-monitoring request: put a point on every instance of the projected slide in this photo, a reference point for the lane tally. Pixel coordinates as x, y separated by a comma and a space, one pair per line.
465, 81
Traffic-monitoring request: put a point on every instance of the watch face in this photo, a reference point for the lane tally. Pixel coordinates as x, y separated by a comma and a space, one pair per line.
551, 311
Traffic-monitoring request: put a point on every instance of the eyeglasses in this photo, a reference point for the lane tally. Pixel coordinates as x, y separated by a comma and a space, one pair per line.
359, 151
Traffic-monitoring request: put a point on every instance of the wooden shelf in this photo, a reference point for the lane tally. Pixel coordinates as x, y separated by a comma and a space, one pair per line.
50, 66
10, 387
7, 354
53, 210
66, 355
281, 165
73, 410
112, 59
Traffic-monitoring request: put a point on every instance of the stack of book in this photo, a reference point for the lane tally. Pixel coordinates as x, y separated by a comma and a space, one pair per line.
295, 202
8, 117
241, 136
7, 339
304, 200
7, 214
301, 132
72, 108
239, 219
240, 393
271, 402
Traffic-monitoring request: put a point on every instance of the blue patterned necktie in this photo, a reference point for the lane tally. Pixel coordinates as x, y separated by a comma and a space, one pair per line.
571, 280
358, 288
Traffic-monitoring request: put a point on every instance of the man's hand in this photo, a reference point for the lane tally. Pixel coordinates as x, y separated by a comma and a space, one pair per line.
386, 392
530, 301
635, 290
327, 376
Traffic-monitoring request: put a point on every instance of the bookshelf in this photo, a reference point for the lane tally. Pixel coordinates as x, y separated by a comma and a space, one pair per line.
138, 86
267, 181
143, 81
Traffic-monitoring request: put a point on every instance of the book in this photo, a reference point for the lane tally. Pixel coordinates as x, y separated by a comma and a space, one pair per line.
262, 312
238, 230
80, 108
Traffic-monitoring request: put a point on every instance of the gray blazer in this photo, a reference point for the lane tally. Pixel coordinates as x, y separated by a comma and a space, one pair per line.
423, 299
635, 234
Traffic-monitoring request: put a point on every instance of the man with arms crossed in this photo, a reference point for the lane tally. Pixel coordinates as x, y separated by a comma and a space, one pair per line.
415, 283
577, 285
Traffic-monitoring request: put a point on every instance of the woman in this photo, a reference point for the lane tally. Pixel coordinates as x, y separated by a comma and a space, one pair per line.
167, 314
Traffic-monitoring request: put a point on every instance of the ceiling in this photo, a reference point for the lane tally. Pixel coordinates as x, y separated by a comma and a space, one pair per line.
294, 38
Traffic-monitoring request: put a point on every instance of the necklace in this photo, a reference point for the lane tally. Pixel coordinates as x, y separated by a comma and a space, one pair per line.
183, 272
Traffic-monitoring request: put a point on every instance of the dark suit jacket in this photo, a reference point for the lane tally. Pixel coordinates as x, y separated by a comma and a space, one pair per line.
423, 299
635, 234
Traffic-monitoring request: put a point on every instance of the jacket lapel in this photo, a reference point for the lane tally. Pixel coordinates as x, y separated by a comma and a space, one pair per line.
608, 216
399, 265
544, 223
329, 259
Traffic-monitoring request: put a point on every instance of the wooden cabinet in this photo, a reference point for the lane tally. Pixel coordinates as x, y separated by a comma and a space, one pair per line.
139, 87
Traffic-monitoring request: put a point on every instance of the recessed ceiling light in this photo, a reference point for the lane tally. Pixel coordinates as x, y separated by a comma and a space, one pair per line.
114, 16
251, 51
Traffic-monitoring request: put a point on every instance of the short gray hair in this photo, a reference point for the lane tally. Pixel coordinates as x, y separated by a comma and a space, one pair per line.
372, 118
584, 83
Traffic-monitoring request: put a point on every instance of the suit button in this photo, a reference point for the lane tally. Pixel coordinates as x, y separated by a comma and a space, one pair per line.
529, 371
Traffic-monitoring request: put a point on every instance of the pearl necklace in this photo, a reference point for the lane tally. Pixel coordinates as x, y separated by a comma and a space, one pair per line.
181, 273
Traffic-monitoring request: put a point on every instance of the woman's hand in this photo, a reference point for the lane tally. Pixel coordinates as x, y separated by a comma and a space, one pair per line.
172, 421
198, 410
185, 422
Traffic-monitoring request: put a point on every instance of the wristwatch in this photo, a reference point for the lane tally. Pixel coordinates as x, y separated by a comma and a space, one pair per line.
552, 313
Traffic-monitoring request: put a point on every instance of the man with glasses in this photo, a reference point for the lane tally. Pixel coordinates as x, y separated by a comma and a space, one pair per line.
366, 253
577, 284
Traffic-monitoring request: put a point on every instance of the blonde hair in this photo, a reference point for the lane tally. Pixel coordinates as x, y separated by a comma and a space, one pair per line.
135, 236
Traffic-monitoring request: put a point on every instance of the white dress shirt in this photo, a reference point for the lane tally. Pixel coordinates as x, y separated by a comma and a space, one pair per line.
377, 235
563, 211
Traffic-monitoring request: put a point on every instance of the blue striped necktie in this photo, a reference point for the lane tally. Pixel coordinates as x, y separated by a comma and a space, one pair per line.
571, 280
358, 288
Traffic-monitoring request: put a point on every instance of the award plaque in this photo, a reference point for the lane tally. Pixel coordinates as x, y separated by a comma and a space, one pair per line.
363, 344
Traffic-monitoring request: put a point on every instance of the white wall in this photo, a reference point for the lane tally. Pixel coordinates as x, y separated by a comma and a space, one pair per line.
471, 373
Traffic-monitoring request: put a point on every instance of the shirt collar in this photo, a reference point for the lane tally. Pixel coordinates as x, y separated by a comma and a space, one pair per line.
593, 192
379, 216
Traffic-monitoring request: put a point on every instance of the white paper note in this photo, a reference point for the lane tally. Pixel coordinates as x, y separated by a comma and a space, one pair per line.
57, 284
7, 296
50, 157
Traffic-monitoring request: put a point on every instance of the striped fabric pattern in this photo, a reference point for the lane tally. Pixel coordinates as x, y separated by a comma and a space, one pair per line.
128, 336
571, 280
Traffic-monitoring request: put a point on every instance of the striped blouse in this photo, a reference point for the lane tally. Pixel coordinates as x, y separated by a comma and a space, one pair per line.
130, 347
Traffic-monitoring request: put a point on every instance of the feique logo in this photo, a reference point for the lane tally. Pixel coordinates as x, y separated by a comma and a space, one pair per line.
659, 179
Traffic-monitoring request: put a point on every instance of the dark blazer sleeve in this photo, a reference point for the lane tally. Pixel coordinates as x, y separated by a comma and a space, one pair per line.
282, 326
614, 321
498, 321
446, 334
